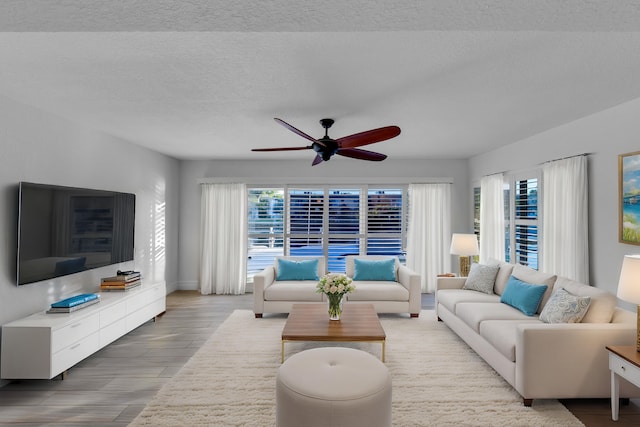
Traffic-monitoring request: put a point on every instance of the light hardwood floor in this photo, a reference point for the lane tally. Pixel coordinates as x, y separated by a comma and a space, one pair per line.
111, 387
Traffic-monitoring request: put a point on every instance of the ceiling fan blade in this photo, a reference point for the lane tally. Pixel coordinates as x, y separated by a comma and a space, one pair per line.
368, 137
294, 130
357, 153
281, 149
316, 160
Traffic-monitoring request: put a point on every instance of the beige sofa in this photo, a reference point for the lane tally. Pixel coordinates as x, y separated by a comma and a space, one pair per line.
401, 296
540, 360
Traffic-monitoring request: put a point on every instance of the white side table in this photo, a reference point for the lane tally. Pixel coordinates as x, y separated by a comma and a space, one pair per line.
624, 361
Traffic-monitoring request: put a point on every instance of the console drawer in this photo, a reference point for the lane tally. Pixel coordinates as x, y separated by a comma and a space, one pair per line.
625, 369
113, 313
69, 356
74, 332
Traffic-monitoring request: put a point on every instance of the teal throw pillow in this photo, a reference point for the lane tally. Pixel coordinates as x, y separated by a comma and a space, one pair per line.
367, 269
524, 296
297, 270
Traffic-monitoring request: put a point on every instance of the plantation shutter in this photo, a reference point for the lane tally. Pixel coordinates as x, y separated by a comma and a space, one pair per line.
345, 225
526, 222
385, 222
265, 228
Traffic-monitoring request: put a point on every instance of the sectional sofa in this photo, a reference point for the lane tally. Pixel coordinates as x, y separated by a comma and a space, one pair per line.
400, 295
538, 356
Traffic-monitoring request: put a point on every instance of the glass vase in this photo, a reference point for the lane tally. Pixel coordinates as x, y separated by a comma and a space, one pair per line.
335, 306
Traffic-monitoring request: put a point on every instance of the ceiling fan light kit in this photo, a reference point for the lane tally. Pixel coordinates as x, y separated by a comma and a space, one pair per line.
326, 146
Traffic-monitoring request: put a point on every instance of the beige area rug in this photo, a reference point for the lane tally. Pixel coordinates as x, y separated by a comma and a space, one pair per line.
437, 380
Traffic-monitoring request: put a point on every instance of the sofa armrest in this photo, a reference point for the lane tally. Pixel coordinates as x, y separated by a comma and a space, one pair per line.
567, 360
450, 282
411, 280
262, 281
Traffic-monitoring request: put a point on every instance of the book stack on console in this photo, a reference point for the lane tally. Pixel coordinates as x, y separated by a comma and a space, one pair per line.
123, 281
74, 303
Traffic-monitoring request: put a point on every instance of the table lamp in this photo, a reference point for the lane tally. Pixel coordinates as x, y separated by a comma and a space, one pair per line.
464, 245
629, 285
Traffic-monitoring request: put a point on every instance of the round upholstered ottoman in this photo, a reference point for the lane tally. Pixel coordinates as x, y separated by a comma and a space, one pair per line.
333, 387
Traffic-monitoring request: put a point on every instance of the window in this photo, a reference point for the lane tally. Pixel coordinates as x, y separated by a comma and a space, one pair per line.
385, 222
523, 242
521, 215
265, 228
476, 212
325, 221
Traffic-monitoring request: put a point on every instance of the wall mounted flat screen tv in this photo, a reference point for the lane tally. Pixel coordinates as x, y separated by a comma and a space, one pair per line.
65, 230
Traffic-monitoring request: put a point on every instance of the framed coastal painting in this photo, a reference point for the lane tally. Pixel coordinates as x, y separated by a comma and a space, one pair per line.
629, 197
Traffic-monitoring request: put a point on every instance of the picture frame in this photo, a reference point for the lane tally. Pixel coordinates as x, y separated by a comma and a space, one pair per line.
629, 198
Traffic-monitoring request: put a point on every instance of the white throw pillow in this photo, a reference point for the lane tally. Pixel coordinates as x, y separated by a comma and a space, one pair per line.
481, 278
564, 307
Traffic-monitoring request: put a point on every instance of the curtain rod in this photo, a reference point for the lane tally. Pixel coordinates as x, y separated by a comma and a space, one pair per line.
494, 173
327, 180
565, 158
547, 161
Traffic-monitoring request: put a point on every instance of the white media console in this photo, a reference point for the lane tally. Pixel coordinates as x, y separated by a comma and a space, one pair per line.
42, 346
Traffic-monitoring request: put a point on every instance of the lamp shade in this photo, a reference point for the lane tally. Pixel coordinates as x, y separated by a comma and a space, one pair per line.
629, 284
464, 244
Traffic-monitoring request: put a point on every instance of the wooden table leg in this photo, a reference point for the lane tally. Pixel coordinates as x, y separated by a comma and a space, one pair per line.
615, 396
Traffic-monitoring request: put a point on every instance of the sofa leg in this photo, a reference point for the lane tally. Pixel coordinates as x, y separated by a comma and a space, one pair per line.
258, 315
415, 314
439, 319
527, 402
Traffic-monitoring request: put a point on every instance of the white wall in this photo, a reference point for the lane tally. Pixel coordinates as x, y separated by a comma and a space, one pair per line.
38, 147
606, 135
192, 172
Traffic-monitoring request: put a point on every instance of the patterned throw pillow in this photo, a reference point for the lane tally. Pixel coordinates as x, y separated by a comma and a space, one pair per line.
564, 307
481, 278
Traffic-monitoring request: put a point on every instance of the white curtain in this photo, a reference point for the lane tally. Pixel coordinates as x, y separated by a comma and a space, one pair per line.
565, 228
223, 239
429, 232
492, 232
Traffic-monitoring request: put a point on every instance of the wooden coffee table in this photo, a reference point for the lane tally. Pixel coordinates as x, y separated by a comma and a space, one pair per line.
310, 322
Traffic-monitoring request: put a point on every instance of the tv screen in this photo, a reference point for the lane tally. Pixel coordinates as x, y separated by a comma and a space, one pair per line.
65, 230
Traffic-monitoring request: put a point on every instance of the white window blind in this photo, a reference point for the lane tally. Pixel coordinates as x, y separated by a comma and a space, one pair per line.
325, 221
385, 222
265, 228
525, 223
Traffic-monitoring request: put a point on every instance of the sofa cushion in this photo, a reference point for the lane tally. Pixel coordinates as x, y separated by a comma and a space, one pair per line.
603, 303
502, 335
374, 269
297, 269
564, 307
530, 275
503, 275
350, 260
481, 278
451, 297
474, 313
296, 290
321, 263
524, 296
378, 291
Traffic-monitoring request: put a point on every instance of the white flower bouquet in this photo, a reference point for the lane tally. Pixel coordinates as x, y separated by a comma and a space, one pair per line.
335, 286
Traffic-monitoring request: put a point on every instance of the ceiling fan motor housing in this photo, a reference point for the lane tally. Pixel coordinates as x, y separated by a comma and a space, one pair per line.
325, 147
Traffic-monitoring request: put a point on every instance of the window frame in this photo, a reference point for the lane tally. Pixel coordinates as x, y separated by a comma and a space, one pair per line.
513, 221
364, 233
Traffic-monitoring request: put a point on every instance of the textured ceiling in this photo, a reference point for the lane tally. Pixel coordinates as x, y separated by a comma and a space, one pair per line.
204, 79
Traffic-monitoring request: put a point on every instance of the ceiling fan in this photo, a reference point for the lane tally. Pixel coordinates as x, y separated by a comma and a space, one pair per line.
326, 147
